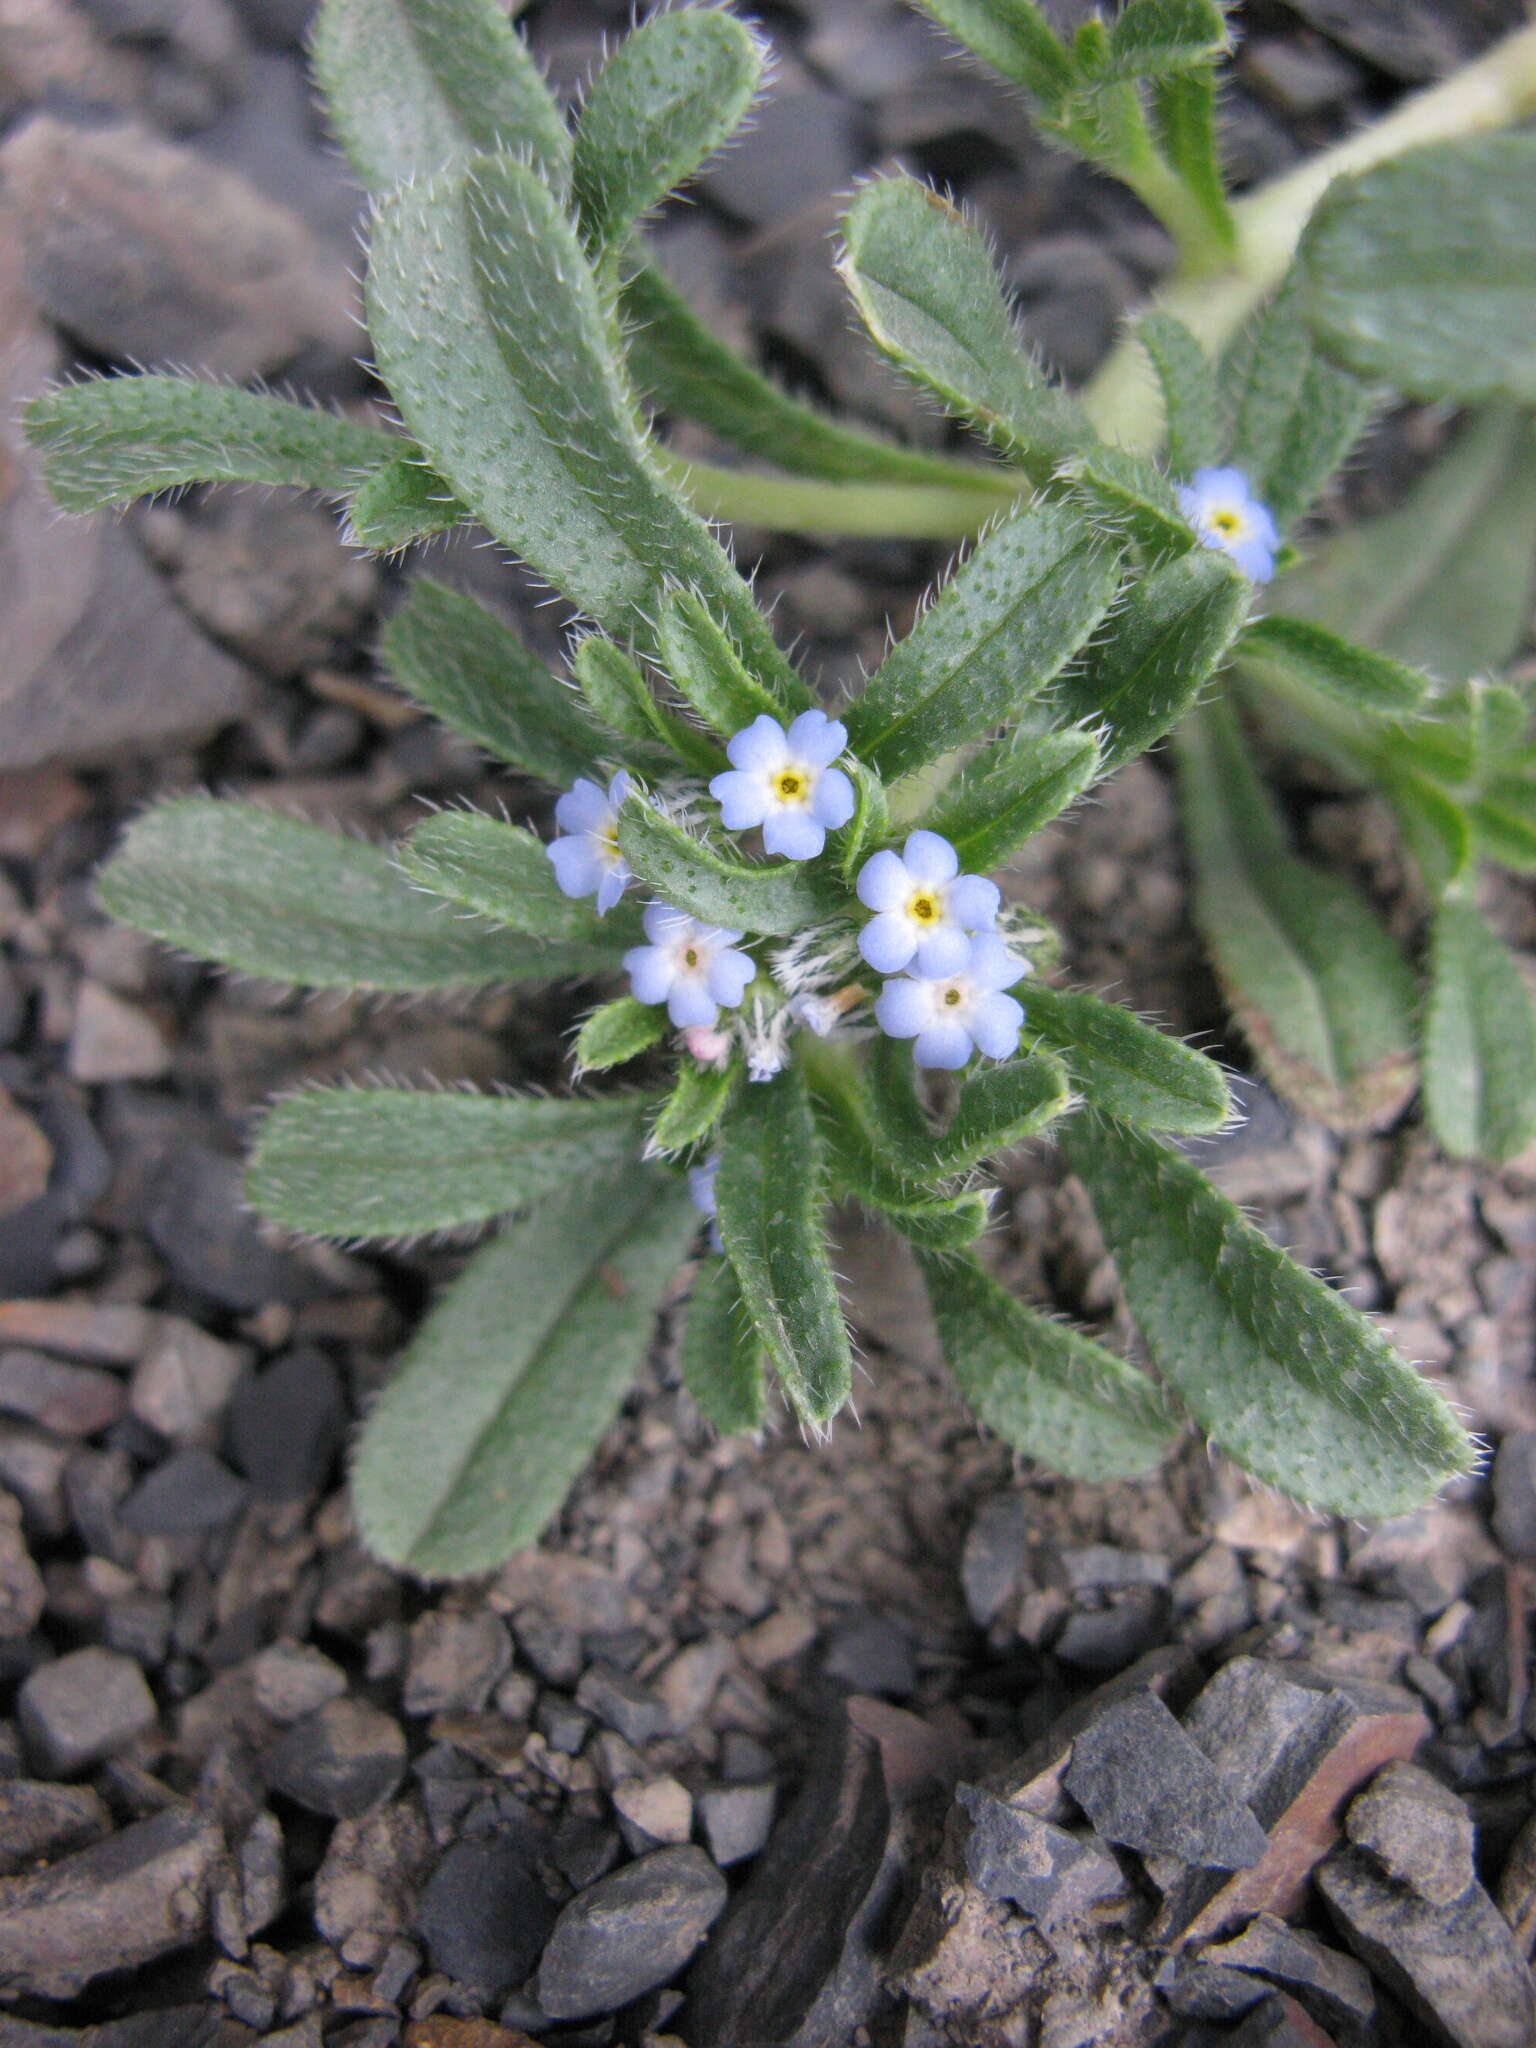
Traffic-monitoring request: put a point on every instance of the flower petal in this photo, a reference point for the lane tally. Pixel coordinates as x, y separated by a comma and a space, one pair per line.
1256, 561
689, 1002
728, 975
578, 871
612, 887
760, 746
832, 800
992, 965
884, 883
887, 942
794, 834
583, 808
943, 1044
995, 1024
651, 973
973, 902
743, 798
943, 952
817, 739
619, 788
665, 926
904, 1007
930, 857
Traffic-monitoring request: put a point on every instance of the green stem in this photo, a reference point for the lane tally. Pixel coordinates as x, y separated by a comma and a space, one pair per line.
1495, 90
794, 504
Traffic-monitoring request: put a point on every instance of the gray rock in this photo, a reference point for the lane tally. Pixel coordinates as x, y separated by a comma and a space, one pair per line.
261, 1869
1091, 1566
485, 1915
1417, 1830
183, 1380
1200, 1990
1144, 1784
41, 1821
800, 146
1455, 1966
292, 1679
198, 1222
71, 1400
116, 1906
872, 1654
1110, 1637
1514, 1493
23, 1596
342, 1760
1332, 1985
287, 1424
996, 1552
1016, 1857
629, 1933
83, 1708
454, 1662
737, 1820
623, 1703
192, 1491
114, 1040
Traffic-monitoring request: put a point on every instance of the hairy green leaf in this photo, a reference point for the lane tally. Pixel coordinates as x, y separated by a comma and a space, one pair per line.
267, 895
1479, 1040
1009, 791
1015, 38
1047, 1391
998, 1107
483, 307
512, 1379
871, 820
1323, 995
503, 872
1132, 497
1009, 619
1278, 1369
1149, 38
404, 1162
114, 439
925, 285
1370, 683
401, 503
1182, 105
722, 1361
696, 1104
413, 87
614, 689
738, 894
1128, 1068
1154, 656
461, 662
616, 1032
770, 1218
1422, 272
707, 670
1192, 414
864, 1169
671, 93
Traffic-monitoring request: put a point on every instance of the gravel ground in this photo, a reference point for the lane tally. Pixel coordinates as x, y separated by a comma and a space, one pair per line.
888, 1742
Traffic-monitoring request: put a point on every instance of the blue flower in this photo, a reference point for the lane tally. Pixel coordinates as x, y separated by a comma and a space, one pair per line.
925, 905
785, 782
586, 859
960, 1013
693, 968
1219, 504
701, 1192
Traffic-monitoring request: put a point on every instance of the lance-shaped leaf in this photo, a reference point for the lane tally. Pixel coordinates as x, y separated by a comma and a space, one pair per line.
267, 895
1503, 817
404, 1162
1182, 105
399, 504
707, 670
723, 1363
671, 93
119, 438
1192, 411
413, 87
1006, 623
1149, 38
770, 1217
503, 872
616, 693
1479, 1040
514, 1376
616, 1032
1127, 1068
1014, 37
925, 285
1370, 683
1009, 791
871, 820
1047, 1391
1317, 983
684, 367
1445, 578
742, 896
998, 1107
696, 1104
482, 307
863, 1170
460, 661
1155, 655
1130, 496
1422, 272
1278, 1370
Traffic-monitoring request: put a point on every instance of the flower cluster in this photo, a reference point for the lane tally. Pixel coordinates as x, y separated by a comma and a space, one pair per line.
933, 931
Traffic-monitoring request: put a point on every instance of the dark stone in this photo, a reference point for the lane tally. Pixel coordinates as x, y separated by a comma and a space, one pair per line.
1092, 1567
800, 146
342, 1760
623, 1703
872, 1654
1015, 1856
1514, 1493
562, 1723
454, 1661
83, 1708
82, 1167
737, 1820
1109, 1638
585, 1849
554, 1652
629, 1933
287, 1424
1456, 1966
1417, 1830
1332, 1985
1144, 1784
198, 1223
1198, 1990
485, 1916
995, 1554
192, 1491
41, 1821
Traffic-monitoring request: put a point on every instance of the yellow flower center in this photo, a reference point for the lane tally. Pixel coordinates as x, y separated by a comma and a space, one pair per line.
925, 908
609, 839
1228, 522
951, 997
790, 785
691, 957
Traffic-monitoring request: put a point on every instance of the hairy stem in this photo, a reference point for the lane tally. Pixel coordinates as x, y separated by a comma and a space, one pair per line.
796, 504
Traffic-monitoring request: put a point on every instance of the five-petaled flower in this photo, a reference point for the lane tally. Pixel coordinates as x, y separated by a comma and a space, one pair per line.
1219, 504
586, 857
925, 907
967, 1011
785, 782
693, 968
